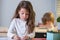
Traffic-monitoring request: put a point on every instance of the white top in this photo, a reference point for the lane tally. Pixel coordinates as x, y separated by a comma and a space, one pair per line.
19, 27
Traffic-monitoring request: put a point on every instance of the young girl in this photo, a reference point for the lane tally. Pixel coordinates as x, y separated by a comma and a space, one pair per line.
22, 25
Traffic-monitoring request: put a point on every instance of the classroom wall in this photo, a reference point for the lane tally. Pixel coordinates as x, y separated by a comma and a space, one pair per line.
7, 10
0, 13
40, 7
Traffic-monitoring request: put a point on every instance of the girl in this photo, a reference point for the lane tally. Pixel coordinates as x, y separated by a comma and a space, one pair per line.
22, 25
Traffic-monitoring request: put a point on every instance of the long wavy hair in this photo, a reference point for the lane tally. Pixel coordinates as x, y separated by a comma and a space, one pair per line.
31, 20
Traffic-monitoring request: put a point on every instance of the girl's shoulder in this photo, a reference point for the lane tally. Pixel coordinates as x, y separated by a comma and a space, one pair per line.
15, 19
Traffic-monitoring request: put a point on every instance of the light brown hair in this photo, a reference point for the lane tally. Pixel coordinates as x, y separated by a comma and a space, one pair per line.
48, 16
31, 20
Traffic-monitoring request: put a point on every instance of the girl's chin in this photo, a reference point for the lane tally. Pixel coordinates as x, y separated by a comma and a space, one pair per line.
23, 19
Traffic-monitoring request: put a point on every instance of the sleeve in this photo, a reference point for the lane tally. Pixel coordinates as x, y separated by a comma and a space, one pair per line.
10, 33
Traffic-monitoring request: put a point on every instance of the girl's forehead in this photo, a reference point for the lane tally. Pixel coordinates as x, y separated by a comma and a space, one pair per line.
24, 9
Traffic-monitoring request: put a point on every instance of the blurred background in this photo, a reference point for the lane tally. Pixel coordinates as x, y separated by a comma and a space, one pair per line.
7, 9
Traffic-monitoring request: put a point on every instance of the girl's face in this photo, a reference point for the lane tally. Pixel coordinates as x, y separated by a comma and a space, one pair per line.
23, 13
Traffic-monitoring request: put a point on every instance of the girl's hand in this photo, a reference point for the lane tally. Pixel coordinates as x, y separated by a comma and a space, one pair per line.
16, 37
25, 38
